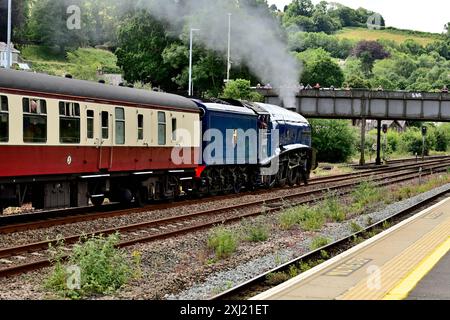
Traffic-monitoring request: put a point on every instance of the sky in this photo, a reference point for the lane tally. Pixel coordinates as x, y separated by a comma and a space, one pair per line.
429, 15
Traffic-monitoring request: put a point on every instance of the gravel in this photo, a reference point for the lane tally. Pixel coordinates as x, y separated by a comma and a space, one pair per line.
182, 267
249, 270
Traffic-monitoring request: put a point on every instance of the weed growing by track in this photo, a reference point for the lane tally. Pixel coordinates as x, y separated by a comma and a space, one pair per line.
255, 231
319, 242
223, 241
95, 266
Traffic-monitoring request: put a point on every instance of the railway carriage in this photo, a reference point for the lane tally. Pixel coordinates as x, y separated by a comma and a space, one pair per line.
64, 142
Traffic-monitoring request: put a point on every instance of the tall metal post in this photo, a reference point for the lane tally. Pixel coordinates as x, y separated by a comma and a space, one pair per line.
190, 61
8, 45
229, 48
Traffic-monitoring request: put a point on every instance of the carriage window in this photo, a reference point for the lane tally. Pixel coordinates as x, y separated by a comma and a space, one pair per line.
69, 122
90, 124
105, 125
140, 127
120, 126
34, 120
161, 128
4, 119
174, 129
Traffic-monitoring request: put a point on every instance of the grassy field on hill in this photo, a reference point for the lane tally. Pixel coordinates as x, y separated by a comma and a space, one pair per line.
398, 36
82, 63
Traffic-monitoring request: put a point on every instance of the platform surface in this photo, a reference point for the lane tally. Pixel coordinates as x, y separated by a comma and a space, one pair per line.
410, 259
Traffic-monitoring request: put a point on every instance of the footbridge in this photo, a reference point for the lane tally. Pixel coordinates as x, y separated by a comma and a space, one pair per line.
366, 104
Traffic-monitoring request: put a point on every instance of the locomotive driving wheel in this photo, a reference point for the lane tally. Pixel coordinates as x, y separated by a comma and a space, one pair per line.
292, 176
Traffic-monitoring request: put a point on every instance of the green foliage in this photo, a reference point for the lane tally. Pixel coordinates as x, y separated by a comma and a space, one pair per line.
103, 267
365, 195
338, 48
141, 42
256, 231
412, 141
319, 242
335, 140
238, 89
309, 219
333, 209
320, 68
442, 135
48, 25
355, 228
223, 242
276, 278
81, 63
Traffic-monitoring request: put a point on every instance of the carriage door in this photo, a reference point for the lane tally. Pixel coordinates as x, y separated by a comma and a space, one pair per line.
105, 145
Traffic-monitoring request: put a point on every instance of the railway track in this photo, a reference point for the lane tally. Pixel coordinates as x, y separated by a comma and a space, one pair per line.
260, 284
16, 260
24, 222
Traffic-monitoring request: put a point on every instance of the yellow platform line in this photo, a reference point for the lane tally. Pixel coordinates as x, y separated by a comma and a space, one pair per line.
393, 271
402, 290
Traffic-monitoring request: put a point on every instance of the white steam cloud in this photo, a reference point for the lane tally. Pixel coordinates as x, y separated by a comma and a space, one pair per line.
255, 37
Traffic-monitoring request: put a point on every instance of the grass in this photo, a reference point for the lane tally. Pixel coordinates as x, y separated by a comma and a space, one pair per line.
95, 266
319, 242
309, 219
255, 231
398, 36
82, 63
364, 196
224, 242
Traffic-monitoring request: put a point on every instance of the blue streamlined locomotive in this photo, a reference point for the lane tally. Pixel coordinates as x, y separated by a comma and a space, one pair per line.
252, 144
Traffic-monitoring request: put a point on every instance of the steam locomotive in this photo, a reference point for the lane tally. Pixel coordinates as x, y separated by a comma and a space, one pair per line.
68, 143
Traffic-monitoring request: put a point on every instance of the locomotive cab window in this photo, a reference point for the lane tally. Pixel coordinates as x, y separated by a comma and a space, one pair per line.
140, 127
90, 124
105, 125
34, 120
162, 128
4, 119
120, 126
69, 122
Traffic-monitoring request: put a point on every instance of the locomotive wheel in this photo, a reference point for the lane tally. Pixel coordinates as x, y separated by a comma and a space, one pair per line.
292, 177
97, 201
281, 181
304, 177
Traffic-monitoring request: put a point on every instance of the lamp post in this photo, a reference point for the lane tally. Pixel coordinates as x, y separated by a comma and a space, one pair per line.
190, 61
229, 48
8, 45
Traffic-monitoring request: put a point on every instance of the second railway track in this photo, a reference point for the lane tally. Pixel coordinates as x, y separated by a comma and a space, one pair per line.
14, 260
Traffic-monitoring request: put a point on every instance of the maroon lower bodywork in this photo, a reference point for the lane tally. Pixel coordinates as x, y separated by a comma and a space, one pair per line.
21, 161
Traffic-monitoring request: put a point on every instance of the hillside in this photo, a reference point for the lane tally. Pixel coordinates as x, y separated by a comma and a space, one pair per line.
398, 36
82, 63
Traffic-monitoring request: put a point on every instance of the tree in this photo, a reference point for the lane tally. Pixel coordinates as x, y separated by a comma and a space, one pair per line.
300, 8
368, 52
141, 42
20, 14
320, 68
240, 89
48, 24
355, 81
335, 140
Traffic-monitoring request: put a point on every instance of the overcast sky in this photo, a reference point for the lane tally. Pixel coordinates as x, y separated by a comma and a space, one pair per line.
428, 15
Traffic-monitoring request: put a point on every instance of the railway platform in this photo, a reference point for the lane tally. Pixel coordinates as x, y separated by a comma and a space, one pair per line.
408, 261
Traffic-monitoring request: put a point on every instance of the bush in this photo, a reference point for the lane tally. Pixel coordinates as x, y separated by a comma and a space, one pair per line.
442, 135
411, 141
319, 243
223, 242
256, 231
103, 268
335, 140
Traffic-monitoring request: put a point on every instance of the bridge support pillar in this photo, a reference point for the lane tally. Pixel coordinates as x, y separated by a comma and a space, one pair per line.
362, 160
378, 161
